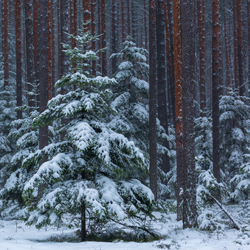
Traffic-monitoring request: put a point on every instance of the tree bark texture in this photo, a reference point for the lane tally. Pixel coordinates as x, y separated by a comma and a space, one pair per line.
114, 36
248, 15
50, 45
93, 4
145, 24
43, 68
240, 48
152, 96
18, 31
202, 52
103, 32
216, 71
188, 88
236, 63
29, 50
128, 15
161, 80
178, 105
170, 59
227, 48
5, 42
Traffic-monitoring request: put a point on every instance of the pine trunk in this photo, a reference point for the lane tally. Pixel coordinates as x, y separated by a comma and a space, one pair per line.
43, 68
93, 4
161, 79
128, 16
188, 88
202, 50
216, 71
64, 17
178, 105
152, 96
29, 50
86, 15
103, 32
123, 21
236, 63
18, 31
50, 44
114, 36
240, 48
83, 223
248, 15
5, 41
227, 48
145, 25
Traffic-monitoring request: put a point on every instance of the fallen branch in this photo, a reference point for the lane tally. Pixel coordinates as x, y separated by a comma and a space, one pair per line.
225, 211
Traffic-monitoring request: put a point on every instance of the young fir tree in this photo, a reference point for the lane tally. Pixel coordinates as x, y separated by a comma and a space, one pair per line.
93, 172
26, 142
131, 101
235, 137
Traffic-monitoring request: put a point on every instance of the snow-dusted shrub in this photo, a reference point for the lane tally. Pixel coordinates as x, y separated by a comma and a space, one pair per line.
93, 172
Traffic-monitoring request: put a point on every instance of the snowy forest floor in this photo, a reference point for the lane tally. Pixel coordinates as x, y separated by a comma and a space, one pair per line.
15, 235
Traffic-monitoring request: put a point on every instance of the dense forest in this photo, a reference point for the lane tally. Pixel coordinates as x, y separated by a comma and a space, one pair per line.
111, 110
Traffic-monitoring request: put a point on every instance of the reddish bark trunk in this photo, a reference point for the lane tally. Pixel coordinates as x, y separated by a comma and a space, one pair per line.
114, 35
145, 25
123, 20
93, 3
202, 50
18, 32
128, 16
178, 104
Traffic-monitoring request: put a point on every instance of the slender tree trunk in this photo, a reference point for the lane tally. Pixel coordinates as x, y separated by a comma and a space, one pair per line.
83, 223
29, 50
43, 68
93, 3
240, 48
228, 73
5, 42
178, 105
50, 44
161, 79
103, 32
145, 24
114, 35
202, 50
152, 96
128, 23
86, 8
216, 70
123, 21
188, 87
18, 31
236, 63
170, 59
133, 21
59, 39
64, 16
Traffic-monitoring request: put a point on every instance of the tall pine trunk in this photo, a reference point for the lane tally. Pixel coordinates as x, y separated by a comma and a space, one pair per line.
50, 45
202, 50
114, 36
188, 88
18, 31
152, 96
216, 74
93, 4
5, 41
103, 37
161, 80
240, 48
29, 50
236, 63
178, 105
43, 68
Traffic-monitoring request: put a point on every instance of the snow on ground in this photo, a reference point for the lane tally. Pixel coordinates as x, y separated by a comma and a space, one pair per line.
14, 235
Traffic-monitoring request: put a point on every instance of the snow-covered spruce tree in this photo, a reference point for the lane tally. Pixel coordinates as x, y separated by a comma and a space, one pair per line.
26, 141
131, 101
235, 138
92, 173
131, 95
